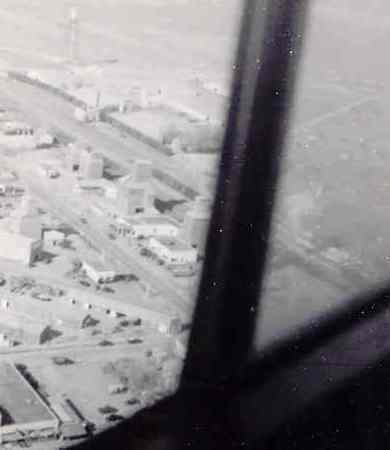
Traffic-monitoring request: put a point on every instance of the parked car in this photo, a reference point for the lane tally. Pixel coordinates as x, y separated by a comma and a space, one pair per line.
3, 280
41, 296
133, 401
135, 341
107, 409
114, 418
62, 360
85, 283
108, 289
105, 343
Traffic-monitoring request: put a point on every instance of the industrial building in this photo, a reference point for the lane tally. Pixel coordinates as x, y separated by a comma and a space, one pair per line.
132, 197
23, 414
173, 251
72, 157
91, 164
196, 223
98, 272
25, 220
20, 248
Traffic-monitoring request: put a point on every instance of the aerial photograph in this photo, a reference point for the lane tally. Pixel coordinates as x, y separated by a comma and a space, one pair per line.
112, 117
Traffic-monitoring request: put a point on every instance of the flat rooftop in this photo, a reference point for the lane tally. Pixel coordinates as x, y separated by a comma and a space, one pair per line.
148, 220
156, 220
173, 244
19, 400
15, 239
99, 266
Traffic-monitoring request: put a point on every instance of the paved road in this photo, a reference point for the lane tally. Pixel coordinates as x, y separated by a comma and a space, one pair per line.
91, 349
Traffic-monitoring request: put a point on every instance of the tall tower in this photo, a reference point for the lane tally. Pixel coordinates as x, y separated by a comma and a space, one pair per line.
74, 32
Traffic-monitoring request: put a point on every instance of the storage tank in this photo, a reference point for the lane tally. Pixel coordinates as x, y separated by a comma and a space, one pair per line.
72, 158
195, 229
91, 165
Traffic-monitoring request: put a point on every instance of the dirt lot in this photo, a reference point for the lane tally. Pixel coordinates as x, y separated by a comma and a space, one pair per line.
128, 365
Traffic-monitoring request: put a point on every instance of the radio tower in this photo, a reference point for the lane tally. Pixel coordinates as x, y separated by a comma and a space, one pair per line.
74, 31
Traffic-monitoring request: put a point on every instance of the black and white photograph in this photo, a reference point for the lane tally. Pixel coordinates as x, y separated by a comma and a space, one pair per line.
194, 245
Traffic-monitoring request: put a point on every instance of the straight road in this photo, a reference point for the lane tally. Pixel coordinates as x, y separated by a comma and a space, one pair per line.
120, 257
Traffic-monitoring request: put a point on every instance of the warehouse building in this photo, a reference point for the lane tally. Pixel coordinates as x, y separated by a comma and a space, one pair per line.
24, 416
173, 251
20, 248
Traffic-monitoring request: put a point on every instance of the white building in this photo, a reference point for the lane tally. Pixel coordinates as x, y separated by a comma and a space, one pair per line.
98, 271
91, 165
196, 222
146, 227
133, 198
19, 248
53, 237
173, 251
